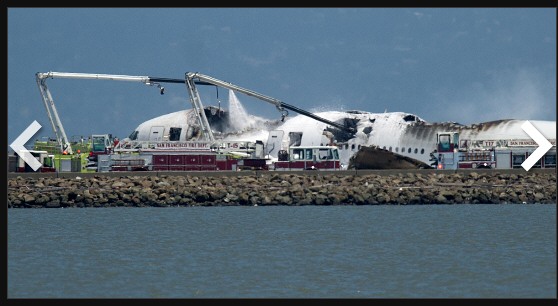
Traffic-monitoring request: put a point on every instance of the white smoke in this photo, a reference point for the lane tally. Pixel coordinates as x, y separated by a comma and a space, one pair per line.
520, 94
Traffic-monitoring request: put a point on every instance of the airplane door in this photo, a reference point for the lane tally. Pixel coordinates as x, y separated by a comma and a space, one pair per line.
156, 133
274, 141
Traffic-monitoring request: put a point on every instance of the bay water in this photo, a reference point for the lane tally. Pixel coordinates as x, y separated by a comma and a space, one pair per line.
387, 251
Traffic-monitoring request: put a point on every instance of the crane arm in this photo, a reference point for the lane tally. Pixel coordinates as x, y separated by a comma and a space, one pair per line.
53, 117
281, 106
52, 113
92, 76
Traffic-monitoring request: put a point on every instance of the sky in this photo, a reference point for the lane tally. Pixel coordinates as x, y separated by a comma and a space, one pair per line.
464, 65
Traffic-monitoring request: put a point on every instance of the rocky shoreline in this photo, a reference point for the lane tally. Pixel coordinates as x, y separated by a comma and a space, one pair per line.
289, 189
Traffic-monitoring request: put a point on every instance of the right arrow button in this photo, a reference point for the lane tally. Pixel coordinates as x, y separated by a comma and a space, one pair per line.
544, 145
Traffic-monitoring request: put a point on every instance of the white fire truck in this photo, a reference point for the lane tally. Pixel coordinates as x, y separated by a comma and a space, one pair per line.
455, 153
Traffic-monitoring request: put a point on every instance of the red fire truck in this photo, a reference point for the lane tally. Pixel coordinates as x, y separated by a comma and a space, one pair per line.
308, 158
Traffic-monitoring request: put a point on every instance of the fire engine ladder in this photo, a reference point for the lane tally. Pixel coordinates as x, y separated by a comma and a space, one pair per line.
198, 107
281, 106
52, 113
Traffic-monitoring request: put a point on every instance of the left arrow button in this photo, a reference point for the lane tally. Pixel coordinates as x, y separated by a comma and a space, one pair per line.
21, 140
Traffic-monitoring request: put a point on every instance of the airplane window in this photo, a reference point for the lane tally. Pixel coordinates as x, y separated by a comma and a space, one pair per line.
416, 150
390, 149
396, 149
385, 148
353, 146
403, 150
422, 151
409, 151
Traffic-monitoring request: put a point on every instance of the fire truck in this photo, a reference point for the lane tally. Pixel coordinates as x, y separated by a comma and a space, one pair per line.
449, 155
455, 153
46, 160
210, 154
308, 158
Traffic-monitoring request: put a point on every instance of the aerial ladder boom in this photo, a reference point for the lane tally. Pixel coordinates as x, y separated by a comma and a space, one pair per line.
54, 118
198, 107
193, 78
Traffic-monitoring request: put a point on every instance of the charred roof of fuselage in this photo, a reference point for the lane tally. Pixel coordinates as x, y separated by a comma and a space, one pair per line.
482, 126
344, 135
410, 118
217, 118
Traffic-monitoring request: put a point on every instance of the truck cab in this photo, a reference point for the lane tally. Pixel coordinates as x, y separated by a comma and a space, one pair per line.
101, 144
447, 142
